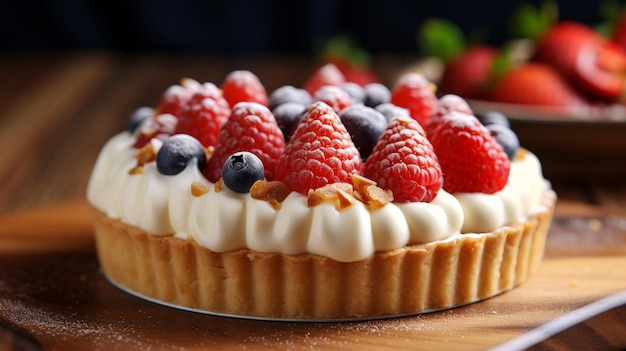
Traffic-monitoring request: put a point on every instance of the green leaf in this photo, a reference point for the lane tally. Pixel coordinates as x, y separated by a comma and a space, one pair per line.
609, 11
529, 21
344, 46
441, 38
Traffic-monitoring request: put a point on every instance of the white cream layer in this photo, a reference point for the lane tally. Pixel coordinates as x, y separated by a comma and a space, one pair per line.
225, 221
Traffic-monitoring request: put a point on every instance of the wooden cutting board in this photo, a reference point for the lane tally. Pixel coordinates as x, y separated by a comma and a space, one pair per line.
53, 297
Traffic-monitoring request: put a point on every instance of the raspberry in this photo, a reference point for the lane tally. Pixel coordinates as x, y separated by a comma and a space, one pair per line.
447, 104
251, 127
471, 159
243, 85
413, 92
320, 152
327, 74
203, 115
334, 96
176, 96
404, 162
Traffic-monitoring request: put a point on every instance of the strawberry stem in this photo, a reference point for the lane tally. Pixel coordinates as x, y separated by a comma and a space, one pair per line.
610, 12
529, 21
440, 38
343, 46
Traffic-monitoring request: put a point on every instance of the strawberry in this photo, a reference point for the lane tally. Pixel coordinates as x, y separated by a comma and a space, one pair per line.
584, 57
536, 83
468, 74
359, 74
320, 152
350, 58
203, 115
467, 66
176, 96
334, 96
447, 104
618, 31
251, 127
415, 93
470, 158
327, 74
243, 85
404, 162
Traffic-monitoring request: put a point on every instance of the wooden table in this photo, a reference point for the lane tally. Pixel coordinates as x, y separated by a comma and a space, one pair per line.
56, 111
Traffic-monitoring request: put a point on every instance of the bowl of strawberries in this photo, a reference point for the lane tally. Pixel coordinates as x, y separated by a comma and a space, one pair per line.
563, 89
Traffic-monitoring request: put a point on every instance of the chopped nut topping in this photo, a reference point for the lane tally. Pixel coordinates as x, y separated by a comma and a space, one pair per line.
208, 151
329, 191
144, 155
339, 193
378, 196
369, 193
344, 194
520, 154
274, 192
360, 183
198, 189
135, 170
218, 185
313, 198
345, 199
358, 196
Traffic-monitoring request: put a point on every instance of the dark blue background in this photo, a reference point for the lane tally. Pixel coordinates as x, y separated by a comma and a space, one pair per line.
246, 26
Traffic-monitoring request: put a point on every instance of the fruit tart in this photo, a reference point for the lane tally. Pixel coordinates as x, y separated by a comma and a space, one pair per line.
334, 208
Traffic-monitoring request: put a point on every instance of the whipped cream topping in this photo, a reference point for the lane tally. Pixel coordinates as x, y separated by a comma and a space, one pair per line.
224, 220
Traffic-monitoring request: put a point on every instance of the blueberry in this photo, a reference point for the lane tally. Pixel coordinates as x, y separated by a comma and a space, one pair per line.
289, 93
176, 153
391, 111
355, 91
376, 94
506, 138
365, 125
138, 116
288, 115
241, 170
494, 117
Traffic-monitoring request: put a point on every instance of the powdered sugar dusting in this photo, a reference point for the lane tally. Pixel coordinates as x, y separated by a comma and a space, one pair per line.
64, 326
74, 330
241, 77
461, 120
338, 335
251, 108
96, 316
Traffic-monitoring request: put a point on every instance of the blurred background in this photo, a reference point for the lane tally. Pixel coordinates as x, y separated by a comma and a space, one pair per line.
248, 26
71, 71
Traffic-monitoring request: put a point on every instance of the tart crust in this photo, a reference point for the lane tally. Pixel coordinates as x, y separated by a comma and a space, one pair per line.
409, 280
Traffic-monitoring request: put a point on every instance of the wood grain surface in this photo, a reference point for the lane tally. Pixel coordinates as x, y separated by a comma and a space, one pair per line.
53, 296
